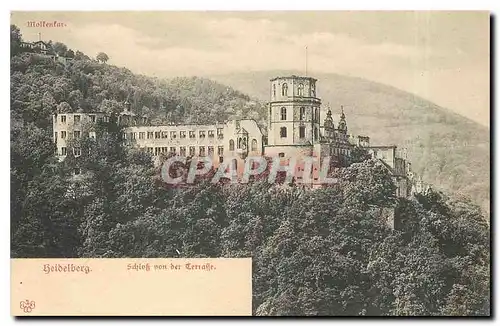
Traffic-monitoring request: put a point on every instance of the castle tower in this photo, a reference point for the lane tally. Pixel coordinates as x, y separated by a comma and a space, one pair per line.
294, 115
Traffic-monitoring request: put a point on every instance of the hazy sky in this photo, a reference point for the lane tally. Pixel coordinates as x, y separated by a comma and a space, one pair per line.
441, 56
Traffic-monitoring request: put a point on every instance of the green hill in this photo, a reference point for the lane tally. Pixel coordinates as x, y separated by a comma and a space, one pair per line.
448, 150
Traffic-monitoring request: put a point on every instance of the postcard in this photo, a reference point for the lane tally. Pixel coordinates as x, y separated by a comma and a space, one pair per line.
250, 163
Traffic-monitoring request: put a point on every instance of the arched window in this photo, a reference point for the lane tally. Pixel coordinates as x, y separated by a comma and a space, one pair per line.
283, 113
284, 89
254, 145
300, 90
316, 114
313, 90
235, 164
283, 132
302, 113
274, 89
239, 143
231, 145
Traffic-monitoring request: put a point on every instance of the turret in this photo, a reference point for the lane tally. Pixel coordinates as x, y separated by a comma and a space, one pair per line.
342, 123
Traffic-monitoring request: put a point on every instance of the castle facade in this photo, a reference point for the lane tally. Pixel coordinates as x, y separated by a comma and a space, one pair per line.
294, 130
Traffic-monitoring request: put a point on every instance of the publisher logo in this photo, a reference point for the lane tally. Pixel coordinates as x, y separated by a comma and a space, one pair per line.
27, 306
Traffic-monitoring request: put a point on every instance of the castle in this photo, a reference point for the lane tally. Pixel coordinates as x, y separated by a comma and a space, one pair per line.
294, 129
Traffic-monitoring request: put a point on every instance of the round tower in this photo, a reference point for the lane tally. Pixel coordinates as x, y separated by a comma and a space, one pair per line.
294, 115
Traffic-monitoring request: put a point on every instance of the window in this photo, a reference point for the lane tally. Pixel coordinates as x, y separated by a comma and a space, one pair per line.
302, 132
274, 89
182, 149
313, 90
77, 151
157, 135
202, 150
76, 134
210, 150
284, 89
220, 133
254, 145
192, 151
63, 134
164, 150
172, 150
283, 113
149, 150
283, 132
173, 134
183, 134
63, 119
281, 154
124, 135
202, 133
315, 133
231, 145
133, 135
192, 134
77, 118
157, 151
144, 119
300, 90
164, 134
142, 135
92, 118
302, 113
55, 136
211, 134
316, 110
64, 151
150, 135
220, 150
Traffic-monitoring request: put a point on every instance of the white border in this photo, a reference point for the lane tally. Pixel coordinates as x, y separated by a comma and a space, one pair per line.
88, 5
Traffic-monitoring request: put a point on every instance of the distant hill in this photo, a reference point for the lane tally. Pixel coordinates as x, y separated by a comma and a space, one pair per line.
448, 150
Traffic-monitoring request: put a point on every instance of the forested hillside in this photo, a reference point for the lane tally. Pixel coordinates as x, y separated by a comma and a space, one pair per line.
326, 251
41, 86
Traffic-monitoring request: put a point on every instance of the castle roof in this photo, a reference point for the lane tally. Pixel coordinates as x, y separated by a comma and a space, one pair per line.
293, 77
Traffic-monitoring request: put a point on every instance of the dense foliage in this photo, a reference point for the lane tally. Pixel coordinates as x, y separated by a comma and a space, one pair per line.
326, 251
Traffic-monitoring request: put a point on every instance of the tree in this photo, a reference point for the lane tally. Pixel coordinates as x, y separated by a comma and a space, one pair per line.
60, 48
64, 107
102, 57
81, 56
15, 40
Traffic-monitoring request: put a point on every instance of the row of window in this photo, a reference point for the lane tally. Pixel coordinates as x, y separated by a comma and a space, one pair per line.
202, 150
242, 144
93, 118
76, 151
300, 90
76, 134
302, 114
173, 134
77, 118
302, 132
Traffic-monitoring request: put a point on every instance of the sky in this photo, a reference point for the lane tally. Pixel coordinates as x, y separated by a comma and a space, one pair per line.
441, 56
